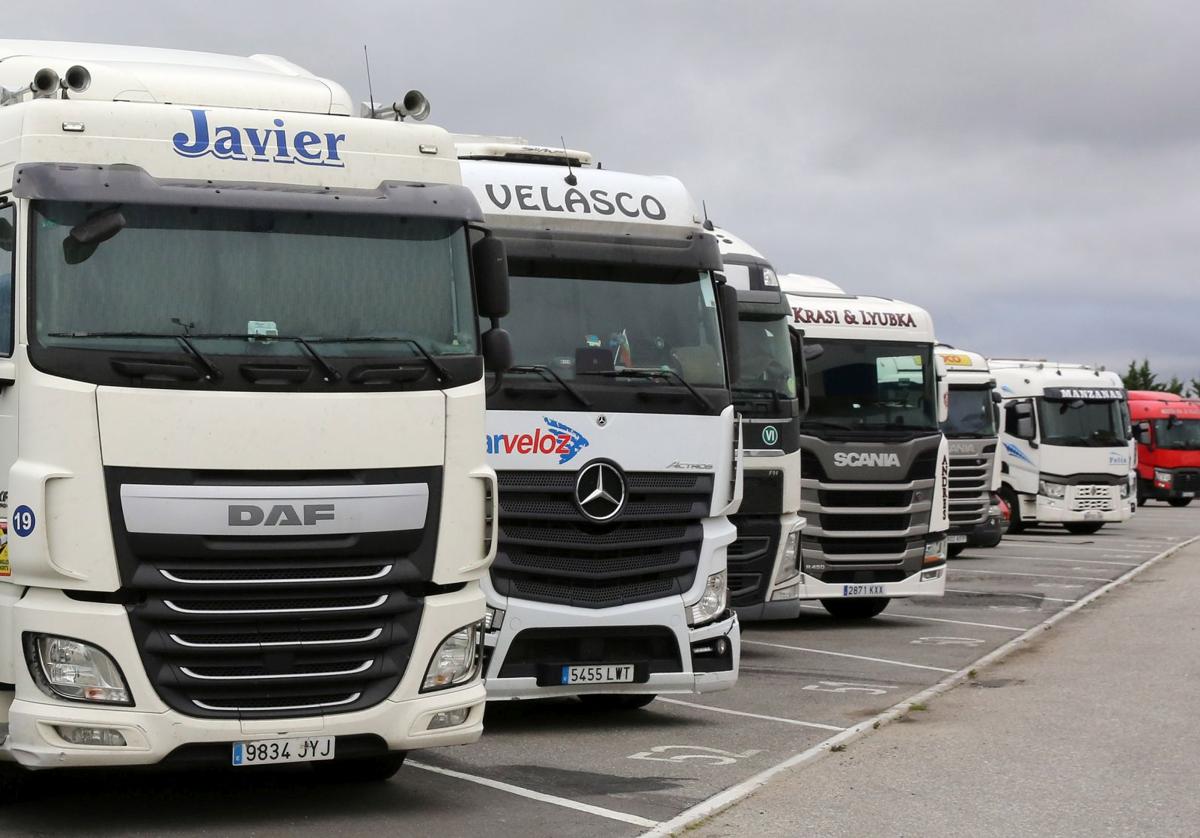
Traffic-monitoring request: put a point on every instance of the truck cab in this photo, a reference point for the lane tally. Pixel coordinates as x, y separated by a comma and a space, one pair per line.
1167, 430
1065, 450
614, 434
764, 562
874, 462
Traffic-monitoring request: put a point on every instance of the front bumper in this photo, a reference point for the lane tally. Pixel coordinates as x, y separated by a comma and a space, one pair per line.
755, 561
910, 586
153, 731
984, 534
1058, 511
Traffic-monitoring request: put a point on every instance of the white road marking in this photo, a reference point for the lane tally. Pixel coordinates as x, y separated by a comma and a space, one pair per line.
746, 642
1063, 559
1002, 593
1015, 545
553, 800
749, 715
894, 615
1036, 575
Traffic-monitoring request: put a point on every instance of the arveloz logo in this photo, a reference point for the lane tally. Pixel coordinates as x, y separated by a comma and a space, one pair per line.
770, 435
600, 490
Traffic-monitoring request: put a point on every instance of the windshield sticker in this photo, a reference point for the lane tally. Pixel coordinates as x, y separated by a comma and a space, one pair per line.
557, 438
957, 360
5, 566
852, 317
260, 145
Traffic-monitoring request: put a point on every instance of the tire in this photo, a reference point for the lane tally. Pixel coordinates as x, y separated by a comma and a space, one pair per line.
1015, 524
856, 609
377, 769
617, 701
953, 550
1179, 501
1083, 527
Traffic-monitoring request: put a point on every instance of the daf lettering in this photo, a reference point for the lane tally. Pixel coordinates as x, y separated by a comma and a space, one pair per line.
280, 515
873, 459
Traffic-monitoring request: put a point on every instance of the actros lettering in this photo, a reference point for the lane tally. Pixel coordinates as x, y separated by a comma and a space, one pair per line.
263, 145
875, 459
598, 201
280, 515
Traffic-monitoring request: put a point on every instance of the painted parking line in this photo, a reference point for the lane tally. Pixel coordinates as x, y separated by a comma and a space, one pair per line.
1006, 594
541, 797
729, 712
892, 615
1023, 543
1058, 559
746, 642
1036, 575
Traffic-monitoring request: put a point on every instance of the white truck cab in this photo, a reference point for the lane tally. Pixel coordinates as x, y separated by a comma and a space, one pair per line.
1065, 444
875, 467
614, 435
241, 398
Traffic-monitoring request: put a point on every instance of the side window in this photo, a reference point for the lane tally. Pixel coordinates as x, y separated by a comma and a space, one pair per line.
8, 254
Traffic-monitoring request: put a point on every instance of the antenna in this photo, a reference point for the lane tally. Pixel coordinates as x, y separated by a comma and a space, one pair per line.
708, 225
370, 91
570, 178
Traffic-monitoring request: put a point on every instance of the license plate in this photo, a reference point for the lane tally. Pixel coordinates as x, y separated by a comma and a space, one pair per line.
272, 751
619, 673
1187, 494
956, 539
863, 590
1091, 515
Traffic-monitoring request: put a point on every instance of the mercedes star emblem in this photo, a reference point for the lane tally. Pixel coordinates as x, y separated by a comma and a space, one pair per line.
600, 490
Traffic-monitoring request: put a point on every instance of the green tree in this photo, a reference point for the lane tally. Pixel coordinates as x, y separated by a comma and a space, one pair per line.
1140, 377
1174, 386
1194, 390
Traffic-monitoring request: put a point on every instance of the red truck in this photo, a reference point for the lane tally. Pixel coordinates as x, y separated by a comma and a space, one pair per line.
1167, 428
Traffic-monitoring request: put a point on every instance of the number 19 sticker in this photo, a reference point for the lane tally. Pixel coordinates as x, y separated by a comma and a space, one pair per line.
23, 521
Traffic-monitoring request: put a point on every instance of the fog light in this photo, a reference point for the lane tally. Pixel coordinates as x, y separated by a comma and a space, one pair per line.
449, 718
91, 735
927, 575
790, 592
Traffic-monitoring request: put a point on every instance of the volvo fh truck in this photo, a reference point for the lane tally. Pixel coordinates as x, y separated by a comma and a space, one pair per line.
614, 435
241, 398
972, 429
874, 463
1065, 450
764, 562
1167, 429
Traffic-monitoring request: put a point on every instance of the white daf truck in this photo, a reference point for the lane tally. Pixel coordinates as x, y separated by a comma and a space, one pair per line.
614, 435
972, 434
1065, 450
768, 392
874, 463
241, 397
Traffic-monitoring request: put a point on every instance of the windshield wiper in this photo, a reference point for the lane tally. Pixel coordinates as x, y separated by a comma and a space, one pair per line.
185, 341
443, 374
548, 374
331, 374
661, 375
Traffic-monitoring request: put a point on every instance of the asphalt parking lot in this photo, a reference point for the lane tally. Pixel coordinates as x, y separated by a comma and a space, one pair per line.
557, 768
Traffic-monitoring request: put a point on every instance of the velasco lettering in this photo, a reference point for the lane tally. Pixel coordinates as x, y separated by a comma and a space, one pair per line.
597, 201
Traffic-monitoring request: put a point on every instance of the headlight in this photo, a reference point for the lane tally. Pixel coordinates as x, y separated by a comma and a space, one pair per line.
789, 566
456, 660
1053, 490
712, 601
72, 669
935, 549
1125, 489
1162, 477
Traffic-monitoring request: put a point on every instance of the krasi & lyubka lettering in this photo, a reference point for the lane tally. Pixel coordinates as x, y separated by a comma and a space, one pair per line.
556, 438
851, 317
260, 145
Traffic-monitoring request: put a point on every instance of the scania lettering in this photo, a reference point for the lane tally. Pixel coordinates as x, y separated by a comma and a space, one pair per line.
971, 428
875, 465
764, 562
613, 436
1065, 445
241, 402
1167, 429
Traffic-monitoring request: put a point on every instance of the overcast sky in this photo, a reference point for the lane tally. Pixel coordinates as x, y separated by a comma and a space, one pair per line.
1027, 171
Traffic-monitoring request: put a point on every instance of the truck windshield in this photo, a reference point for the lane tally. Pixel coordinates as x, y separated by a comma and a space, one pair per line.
971, 413
766, 357
232, 272
1082, 424
586, 320
1183, 434
869, 386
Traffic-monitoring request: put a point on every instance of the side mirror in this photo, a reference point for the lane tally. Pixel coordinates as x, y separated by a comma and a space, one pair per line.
943, 389
1141, 432
497, 350
1023, 411
996, 397
728, 310
800, 369
490, 260
90, 233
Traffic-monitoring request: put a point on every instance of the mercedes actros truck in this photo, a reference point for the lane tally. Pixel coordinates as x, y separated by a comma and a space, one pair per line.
1167, 429
1065, 445
241, 397
614, 435
972, 435
875, 470
768, 393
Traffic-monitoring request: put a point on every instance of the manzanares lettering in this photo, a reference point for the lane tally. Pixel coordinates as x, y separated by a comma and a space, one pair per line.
264, 145
598, 201
556, 438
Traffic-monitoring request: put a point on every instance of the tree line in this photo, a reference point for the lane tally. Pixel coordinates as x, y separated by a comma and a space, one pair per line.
1141, 377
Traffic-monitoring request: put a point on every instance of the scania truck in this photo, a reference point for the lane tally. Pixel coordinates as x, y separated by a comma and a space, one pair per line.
613, 435
241, 398
1065, 452
764, 562
874, 462
1167, 429
972, 429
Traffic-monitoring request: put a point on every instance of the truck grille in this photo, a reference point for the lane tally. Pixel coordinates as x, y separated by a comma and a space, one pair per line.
1093, 496
263, 627
971, 488
550, 552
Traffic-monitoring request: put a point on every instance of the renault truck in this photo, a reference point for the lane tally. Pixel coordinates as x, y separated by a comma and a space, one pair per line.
1065, 454
768, 392
875, 468
245, 506
972, 429
1167, 429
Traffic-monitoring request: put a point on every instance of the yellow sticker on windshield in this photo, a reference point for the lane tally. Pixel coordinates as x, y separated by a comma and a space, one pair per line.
5, 567
957, 360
